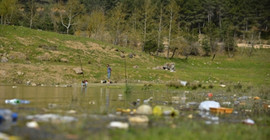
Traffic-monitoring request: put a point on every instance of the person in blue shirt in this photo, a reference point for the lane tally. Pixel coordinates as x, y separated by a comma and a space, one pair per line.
109, 70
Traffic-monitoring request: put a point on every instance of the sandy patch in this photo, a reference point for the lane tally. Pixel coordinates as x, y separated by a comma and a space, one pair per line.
51, 41
75, 45
24, 41
4, 40
95, 46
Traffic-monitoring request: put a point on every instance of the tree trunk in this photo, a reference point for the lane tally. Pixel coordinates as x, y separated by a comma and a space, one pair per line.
5, 19
213, 57
174, 50
246, 26
186, 57
252, 46
219, 20
199, 26
209, 17
170, 31
31, 22
159, 30
31, 14
2, 19
145, 27
67, 30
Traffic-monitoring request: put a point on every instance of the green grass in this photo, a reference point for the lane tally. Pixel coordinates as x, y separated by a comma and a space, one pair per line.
194, 131
252, 70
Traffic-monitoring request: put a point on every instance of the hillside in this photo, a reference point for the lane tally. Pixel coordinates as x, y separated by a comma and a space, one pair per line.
48, 58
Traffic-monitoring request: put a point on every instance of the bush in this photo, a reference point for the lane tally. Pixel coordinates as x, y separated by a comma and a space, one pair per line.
211, 86
264, 92
238, 86
174, 84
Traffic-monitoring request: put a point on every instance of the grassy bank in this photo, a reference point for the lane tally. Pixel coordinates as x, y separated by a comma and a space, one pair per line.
49, 58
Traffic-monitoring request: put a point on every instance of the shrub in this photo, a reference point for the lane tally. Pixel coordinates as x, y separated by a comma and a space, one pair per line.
174, 84
238, 86
211, 86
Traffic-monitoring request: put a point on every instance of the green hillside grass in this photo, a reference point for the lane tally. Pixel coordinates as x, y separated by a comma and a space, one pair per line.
31, 52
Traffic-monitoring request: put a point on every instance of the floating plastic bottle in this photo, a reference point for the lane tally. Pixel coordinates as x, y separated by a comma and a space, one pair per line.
8, 116
16, 101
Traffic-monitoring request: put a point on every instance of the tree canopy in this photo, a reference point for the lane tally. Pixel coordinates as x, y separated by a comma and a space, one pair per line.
146, 24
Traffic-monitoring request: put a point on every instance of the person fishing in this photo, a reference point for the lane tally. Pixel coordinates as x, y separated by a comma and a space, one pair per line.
109, 70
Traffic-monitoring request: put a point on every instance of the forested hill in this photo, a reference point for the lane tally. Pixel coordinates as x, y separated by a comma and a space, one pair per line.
170, 26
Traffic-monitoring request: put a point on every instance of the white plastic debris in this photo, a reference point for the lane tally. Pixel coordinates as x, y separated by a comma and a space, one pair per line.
222, 85
249, 121
4, 136
144, 110
32, 124
206, 105
51, 118
138, 119
120, 125
183, 83
226, 103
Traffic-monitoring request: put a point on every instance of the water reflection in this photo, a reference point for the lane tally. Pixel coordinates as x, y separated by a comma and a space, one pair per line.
83, 100
107, 100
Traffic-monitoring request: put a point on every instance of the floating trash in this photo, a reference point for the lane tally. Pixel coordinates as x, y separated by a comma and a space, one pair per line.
136, 103
16, 101
190, 116
32, 124
131, 111
243, 98
206, 105
144, 110
221, 110
175, 99
266, 106
256, 98
192, 105
51, 118
120, 125
148, 100
183, 83
248, 110
226, 103
92, 102
51, 105
248, 121
210, 95
211, 119
71, 111
222, 85
211, 122
165, 110
7, 118
138, 120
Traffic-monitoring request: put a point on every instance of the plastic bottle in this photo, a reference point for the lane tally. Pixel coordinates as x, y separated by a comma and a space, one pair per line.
16, 101
7, 116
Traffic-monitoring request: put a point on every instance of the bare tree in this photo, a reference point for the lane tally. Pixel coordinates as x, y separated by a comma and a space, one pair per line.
173, 10
159, 28
32, 7
69, 11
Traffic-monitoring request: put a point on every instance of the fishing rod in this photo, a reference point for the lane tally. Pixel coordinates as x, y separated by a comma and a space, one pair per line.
81, 66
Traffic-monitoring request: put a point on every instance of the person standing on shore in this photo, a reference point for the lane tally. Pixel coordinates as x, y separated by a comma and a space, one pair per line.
109, 70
